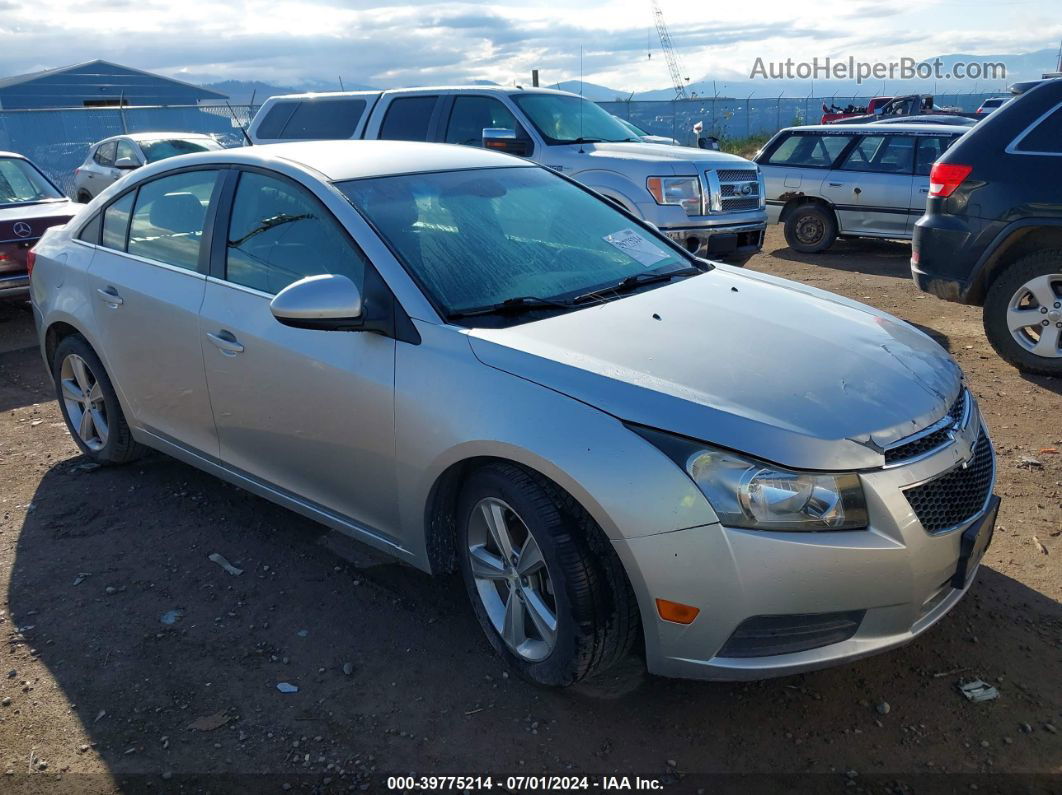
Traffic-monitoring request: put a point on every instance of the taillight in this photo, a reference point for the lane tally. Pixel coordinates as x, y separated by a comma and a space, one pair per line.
31, 260
944, 178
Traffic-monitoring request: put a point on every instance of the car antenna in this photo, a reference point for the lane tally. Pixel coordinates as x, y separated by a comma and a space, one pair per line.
236, 119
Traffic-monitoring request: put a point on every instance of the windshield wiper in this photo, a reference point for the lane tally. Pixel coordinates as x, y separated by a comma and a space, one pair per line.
511, 306
270, 223
632, 283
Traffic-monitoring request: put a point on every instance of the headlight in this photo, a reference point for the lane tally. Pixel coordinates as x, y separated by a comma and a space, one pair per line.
683, 191
744, 492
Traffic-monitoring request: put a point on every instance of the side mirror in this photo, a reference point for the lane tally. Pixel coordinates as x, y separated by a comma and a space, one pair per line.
501, 139
710, 142
126, 164
325, 303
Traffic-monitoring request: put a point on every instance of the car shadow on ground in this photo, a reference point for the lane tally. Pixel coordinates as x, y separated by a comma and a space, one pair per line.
874, 257
173, 663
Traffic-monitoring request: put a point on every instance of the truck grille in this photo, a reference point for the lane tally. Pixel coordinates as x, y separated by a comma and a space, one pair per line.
940, 437
956, 496
738, 189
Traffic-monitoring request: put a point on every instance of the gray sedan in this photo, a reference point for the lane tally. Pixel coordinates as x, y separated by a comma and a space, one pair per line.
476, 364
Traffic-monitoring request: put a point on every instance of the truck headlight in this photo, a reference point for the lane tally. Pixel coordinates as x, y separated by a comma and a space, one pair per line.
683, 191
745, 492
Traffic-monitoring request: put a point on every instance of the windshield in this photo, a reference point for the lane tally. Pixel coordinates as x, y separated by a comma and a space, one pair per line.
563, 119
477, 238
21, 182
171, 147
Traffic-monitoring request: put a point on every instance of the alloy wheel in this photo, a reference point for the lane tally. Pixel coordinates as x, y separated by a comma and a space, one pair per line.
512, 579
83, 401
1034, 316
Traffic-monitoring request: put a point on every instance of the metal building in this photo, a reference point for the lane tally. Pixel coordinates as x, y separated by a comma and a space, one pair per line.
98, 84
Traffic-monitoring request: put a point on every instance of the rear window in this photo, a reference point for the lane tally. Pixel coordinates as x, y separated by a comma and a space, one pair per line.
407, 119
1046, 136
314, 119
809, 150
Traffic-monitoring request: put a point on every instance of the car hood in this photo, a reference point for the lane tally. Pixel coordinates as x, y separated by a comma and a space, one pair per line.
775, 369
652, 151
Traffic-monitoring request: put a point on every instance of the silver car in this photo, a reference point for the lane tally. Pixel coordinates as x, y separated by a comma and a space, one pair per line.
474, 363
826, 181
109, 160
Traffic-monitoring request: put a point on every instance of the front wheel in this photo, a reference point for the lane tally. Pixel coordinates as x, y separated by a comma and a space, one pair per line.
89, 404
1023, 313
545, 584
810, 229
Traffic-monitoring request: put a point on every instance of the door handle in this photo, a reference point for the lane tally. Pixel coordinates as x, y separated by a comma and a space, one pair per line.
836, 184
226, 342
110, 296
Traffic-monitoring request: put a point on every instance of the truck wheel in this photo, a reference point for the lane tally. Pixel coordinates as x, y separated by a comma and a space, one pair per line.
546, 586
810, 229
89, 404
1023, 313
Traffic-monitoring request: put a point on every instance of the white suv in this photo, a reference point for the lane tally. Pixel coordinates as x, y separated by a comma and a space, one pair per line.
110, 158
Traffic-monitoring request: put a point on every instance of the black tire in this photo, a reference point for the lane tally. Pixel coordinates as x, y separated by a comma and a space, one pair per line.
84, 197
998, 300
596, 611
119, 446
810, 228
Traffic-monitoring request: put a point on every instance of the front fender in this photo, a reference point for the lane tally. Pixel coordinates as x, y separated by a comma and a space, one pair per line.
450, 407
617, 187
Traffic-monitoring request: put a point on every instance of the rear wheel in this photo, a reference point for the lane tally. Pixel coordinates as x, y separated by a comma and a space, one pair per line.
1023, 313
89, 404
810, 228
545, 584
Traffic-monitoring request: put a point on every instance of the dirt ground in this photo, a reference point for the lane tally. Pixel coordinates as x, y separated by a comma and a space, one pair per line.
99, 693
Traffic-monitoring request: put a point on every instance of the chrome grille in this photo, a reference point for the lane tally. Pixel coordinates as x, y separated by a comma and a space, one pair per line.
956, 496
939, 435
734, 189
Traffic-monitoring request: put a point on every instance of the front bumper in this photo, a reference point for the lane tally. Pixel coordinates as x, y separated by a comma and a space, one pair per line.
736, 242
895, 571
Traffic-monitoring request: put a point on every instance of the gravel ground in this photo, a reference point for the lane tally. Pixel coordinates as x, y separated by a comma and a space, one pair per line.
131, 662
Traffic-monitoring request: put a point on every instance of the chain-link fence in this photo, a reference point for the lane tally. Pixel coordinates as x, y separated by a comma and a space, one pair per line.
58, 140
737, 118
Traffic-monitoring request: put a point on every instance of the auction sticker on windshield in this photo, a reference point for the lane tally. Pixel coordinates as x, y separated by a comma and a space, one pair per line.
636, 247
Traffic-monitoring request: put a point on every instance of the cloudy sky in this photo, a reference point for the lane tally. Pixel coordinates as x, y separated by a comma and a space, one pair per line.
395, 44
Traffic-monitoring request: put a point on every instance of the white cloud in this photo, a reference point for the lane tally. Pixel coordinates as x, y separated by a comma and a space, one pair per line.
433, 42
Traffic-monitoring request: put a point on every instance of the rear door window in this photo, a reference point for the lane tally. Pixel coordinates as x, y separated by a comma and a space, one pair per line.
116, 222
1046, 136
169, 218
272, 125
929, 150
408, 119
809, 150
888, 154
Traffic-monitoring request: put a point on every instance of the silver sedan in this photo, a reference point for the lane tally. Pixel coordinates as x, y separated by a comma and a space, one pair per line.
476, 364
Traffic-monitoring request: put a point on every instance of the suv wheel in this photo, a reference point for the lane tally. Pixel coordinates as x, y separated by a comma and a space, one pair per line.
89, 404
810, 229
1023, 313
545, 584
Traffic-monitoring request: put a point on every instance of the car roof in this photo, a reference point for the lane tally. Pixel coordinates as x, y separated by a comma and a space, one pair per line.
13, 154
343, 160
878, 129
425, 89
154, 136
